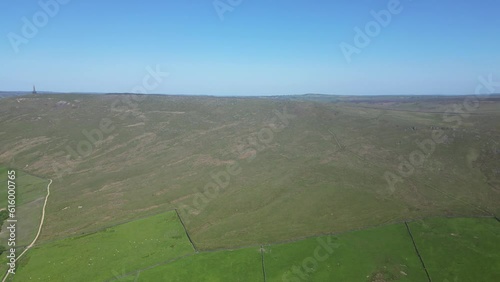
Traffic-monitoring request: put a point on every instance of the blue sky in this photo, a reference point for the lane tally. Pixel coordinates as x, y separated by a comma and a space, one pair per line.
261, 47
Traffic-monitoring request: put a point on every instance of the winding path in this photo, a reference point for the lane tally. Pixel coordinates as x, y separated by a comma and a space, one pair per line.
39, 229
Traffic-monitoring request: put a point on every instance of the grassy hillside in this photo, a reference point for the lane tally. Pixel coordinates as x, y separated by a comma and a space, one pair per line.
320, 169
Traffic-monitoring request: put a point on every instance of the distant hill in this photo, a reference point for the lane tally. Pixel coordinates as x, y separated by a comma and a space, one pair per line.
5, 94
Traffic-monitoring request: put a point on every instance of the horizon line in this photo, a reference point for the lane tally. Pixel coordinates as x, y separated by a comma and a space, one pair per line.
234, 95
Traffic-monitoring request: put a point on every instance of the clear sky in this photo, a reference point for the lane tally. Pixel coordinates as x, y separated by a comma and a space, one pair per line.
261, 47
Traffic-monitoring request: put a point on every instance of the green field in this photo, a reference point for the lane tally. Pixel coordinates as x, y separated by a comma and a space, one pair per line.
380, 254
107, 254
459, 249
451, 248
29, 188
238, 266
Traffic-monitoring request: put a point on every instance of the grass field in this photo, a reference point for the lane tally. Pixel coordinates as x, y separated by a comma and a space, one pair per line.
452, 250
107, 254
459, 249
29, 188
380, 254
238, 266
